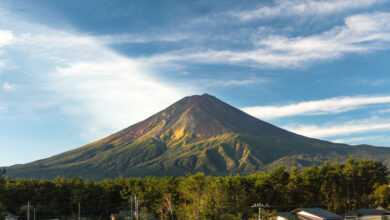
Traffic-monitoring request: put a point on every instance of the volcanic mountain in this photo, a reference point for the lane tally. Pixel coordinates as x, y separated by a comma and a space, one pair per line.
195, 134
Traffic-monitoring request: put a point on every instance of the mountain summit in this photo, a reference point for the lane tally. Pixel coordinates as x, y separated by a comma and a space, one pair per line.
197, 133
196, 118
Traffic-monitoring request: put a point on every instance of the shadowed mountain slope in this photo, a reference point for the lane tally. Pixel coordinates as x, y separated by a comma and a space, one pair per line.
197, 133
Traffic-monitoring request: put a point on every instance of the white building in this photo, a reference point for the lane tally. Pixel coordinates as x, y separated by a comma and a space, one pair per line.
11, 216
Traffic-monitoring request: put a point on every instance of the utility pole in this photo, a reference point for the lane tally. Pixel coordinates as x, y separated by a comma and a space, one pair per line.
131, 207
34, 213
136, 208
169, 205
28, 210
260, 205
79, 209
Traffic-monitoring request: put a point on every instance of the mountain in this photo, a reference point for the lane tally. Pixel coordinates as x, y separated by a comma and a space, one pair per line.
197, 133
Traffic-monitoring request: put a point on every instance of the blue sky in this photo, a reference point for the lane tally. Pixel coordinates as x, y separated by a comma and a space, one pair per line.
72, 72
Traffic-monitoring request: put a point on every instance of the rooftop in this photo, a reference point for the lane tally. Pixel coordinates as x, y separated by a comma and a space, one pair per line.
322, 213
286, 215
361, 212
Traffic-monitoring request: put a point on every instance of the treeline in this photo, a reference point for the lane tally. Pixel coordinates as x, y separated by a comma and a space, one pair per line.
337, 187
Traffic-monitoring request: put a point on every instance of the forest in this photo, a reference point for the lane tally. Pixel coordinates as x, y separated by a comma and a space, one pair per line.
337, 187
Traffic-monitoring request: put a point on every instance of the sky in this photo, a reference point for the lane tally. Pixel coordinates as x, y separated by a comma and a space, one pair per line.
72, 72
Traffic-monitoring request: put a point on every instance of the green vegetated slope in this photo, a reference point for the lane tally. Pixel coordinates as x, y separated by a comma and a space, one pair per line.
197, 133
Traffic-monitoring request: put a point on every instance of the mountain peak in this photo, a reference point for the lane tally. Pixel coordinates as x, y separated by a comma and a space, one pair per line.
208, 96
197, 98
197, 133
198, 117
202, 95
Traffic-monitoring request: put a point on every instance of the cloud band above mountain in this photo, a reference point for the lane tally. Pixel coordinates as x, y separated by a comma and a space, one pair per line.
317, 107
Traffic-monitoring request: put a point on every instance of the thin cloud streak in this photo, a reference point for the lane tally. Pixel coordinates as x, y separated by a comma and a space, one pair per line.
361, 140
231, 82
131, 38
304, 8
347, 128
318, 107
361, 33
384, 111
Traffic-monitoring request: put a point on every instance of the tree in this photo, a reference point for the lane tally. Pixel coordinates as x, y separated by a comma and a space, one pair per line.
381, 196
266, 215
3, 211
338, 187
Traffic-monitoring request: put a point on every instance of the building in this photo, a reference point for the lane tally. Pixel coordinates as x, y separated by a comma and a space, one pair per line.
315, 214
122, 214
11, 216
368, 214
286, 216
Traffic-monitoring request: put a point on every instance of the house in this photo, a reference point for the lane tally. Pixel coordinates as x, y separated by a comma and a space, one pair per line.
315, 214
122, 214
369, 214
11, 216
286, 216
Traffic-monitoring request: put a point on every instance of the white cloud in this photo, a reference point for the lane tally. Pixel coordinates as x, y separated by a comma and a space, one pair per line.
132, 38
361, 33
284, 8
91, 85
6, 37
361, 140
318, 107
341, 129
369, 81
384, 111
111, 94
8, 87
231, 82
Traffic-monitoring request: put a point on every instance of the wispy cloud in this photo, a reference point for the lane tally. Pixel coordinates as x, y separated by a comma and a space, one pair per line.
231, 82
134, 38
111, 94
369, 81
341, 129
6, 38
2, 106
8, 87
84, 80
104, 91
362, 140
287, 9
383, 111
304, 8
318, 107
361, 33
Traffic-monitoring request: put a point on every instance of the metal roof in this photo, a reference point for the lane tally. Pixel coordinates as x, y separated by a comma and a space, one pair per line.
361, 212
322, 213
286, 214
